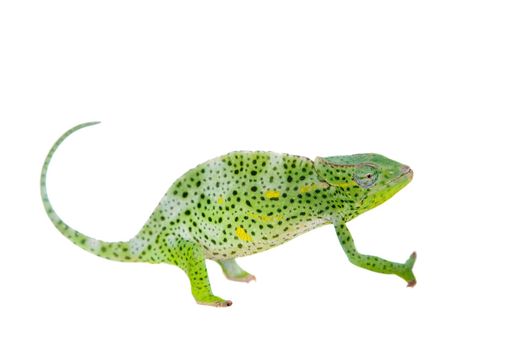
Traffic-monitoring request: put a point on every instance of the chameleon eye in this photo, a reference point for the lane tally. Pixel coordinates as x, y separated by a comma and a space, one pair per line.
365, 176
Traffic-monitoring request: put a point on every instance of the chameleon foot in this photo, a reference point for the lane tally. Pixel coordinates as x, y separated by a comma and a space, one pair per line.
408, 275
242, 278
214, 301
234, 272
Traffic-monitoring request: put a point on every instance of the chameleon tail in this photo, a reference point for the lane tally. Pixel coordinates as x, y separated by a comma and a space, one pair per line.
110, 250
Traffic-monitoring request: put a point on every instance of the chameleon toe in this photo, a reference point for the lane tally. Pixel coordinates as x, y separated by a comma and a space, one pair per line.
246, 279
216, 303
411, 284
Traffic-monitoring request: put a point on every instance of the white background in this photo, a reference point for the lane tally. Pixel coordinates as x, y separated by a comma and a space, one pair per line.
437, 85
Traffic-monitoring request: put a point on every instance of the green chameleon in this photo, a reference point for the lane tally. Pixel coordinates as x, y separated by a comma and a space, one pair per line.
247, 202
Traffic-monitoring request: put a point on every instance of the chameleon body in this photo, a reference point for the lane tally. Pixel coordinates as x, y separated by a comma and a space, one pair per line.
247, 202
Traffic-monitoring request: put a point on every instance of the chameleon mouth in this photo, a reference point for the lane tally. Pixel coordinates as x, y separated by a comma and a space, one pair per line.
406, 174
409, 174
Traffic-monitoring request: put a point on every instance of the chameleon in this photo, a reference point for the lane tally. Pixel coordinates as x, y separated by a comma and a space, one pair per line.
246, 202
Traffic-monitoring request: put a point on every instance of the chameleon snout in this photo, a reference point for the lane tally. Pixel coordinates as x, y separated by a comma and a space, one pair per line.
406, 170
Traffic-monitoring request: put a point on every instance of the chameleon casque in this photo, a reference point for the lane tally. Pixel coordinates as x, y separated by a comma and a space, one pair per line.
247, 202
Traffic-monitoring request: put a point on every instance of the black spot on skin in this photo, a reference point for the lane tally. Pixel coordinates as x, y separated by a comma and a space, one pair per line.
187, 212
254, 188
289, 178
253, 172
184, 194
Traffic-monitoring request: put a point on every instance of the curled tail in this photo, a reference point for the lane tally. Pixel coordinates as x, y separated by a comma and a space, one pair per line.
119, 251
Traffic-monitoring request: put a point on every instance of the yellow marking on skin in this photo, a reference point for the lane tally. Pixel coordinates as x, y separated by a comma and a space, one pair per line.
306, 188
243, 235
272, 194
314, 186
220, 200
266, 218
344, 184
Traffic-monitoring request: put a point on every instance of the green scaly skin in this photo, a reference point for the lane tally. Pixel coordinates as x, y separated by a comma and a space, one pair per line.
247, 202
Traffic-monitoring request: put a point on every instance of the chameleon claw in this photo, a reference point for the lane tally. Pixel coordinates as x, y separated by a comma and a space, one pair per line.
224, 303
411, 284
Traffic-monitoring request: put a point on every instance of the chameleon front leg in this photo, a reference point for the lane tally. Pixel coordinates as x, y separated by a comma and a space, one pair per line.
190, 257
234, 272
374, 263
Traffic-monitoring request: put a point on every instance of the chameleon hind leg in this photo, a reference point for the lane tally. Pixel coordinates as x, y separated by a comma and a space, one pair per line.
234, 272
374, 263
190, 257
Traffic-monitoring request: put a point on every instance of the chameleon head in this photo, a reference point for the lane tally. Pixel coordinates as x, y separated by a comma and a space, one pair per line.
368, 179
